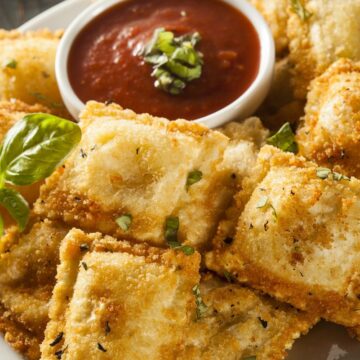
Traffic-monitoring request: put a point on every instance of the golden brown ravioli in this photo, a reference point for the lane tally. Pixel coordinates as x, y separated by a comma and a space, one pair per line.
315, 45
27, 277
27, 68
138, 165
330, 133
115, 298
297, 238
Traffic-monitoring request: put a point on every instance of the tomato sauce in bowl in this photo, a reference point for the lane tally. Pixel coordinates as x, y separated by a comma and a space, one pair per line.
104, 62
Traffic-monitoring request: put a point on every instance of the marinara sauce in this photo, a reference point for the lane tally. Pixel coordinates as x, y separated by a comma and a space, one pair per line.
104, 64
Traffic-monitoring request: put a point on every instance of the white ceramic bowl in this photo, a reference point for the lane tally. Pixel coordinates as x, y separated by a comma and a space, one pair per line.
242, 107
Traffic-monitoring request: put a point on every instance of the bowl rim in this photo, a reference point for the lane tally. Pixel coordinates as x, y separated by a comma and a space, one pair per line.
256, 92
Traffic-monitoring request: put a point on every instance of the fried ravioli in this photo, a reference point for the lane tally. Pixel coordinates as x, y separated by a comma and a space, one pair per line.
275, 13
330, 134
112, 298
297, 238
27, 68
239, 324
100, 308
27, 277
139, 166
315, 45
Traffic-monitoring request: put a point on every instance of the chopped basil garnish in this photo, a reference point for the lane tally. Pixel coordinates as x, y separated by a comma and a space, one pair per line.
174, 59
325, 173
284, 139
171, 229
124, 221
298, 7
228, 276
262, 202
193, 177
11, 64
201, 307
32, 149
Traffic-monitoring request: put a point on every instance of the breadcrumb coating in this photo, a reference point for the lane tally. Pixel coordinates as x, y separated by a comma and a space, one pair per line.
330, 132
297, 238
315, 45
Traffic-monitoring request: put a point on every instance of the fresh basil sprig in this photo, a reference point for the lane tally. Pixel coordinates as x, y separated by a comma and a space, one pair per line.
32, 149
175, 60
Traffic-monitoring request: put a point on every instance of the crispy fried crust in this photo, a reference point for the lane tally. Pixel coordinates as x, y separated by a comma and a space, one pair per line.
240, 323
308, 229
314, 45
27, 276
139, 165
133, 300
16, 335
32, 79
330, 134
275, 13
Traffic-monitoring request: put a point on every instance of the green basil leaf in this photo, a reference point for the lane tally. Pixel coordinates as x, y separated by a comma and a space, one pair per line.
284, 139
16, 205
35, 146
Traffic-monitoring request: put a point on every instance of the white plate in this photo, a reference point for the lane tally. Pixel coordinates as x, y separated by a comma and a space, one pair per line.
325, 342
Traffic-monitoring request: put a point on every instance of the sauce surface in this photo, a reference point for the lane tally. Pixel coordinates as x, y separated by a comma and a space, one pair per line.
104, 64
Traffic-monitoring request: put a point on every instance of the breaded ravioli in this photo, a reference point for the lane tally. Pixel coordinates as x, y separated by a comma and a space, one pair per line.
142, 168
275, 13
10, 113
117, 300
298, 238
320, 33
240, 324
27, 68
330, 133
27, 277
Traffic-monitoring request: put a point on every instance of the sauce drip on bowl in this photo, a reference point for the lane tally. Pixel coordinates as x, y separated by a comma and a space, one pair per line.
104, 62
